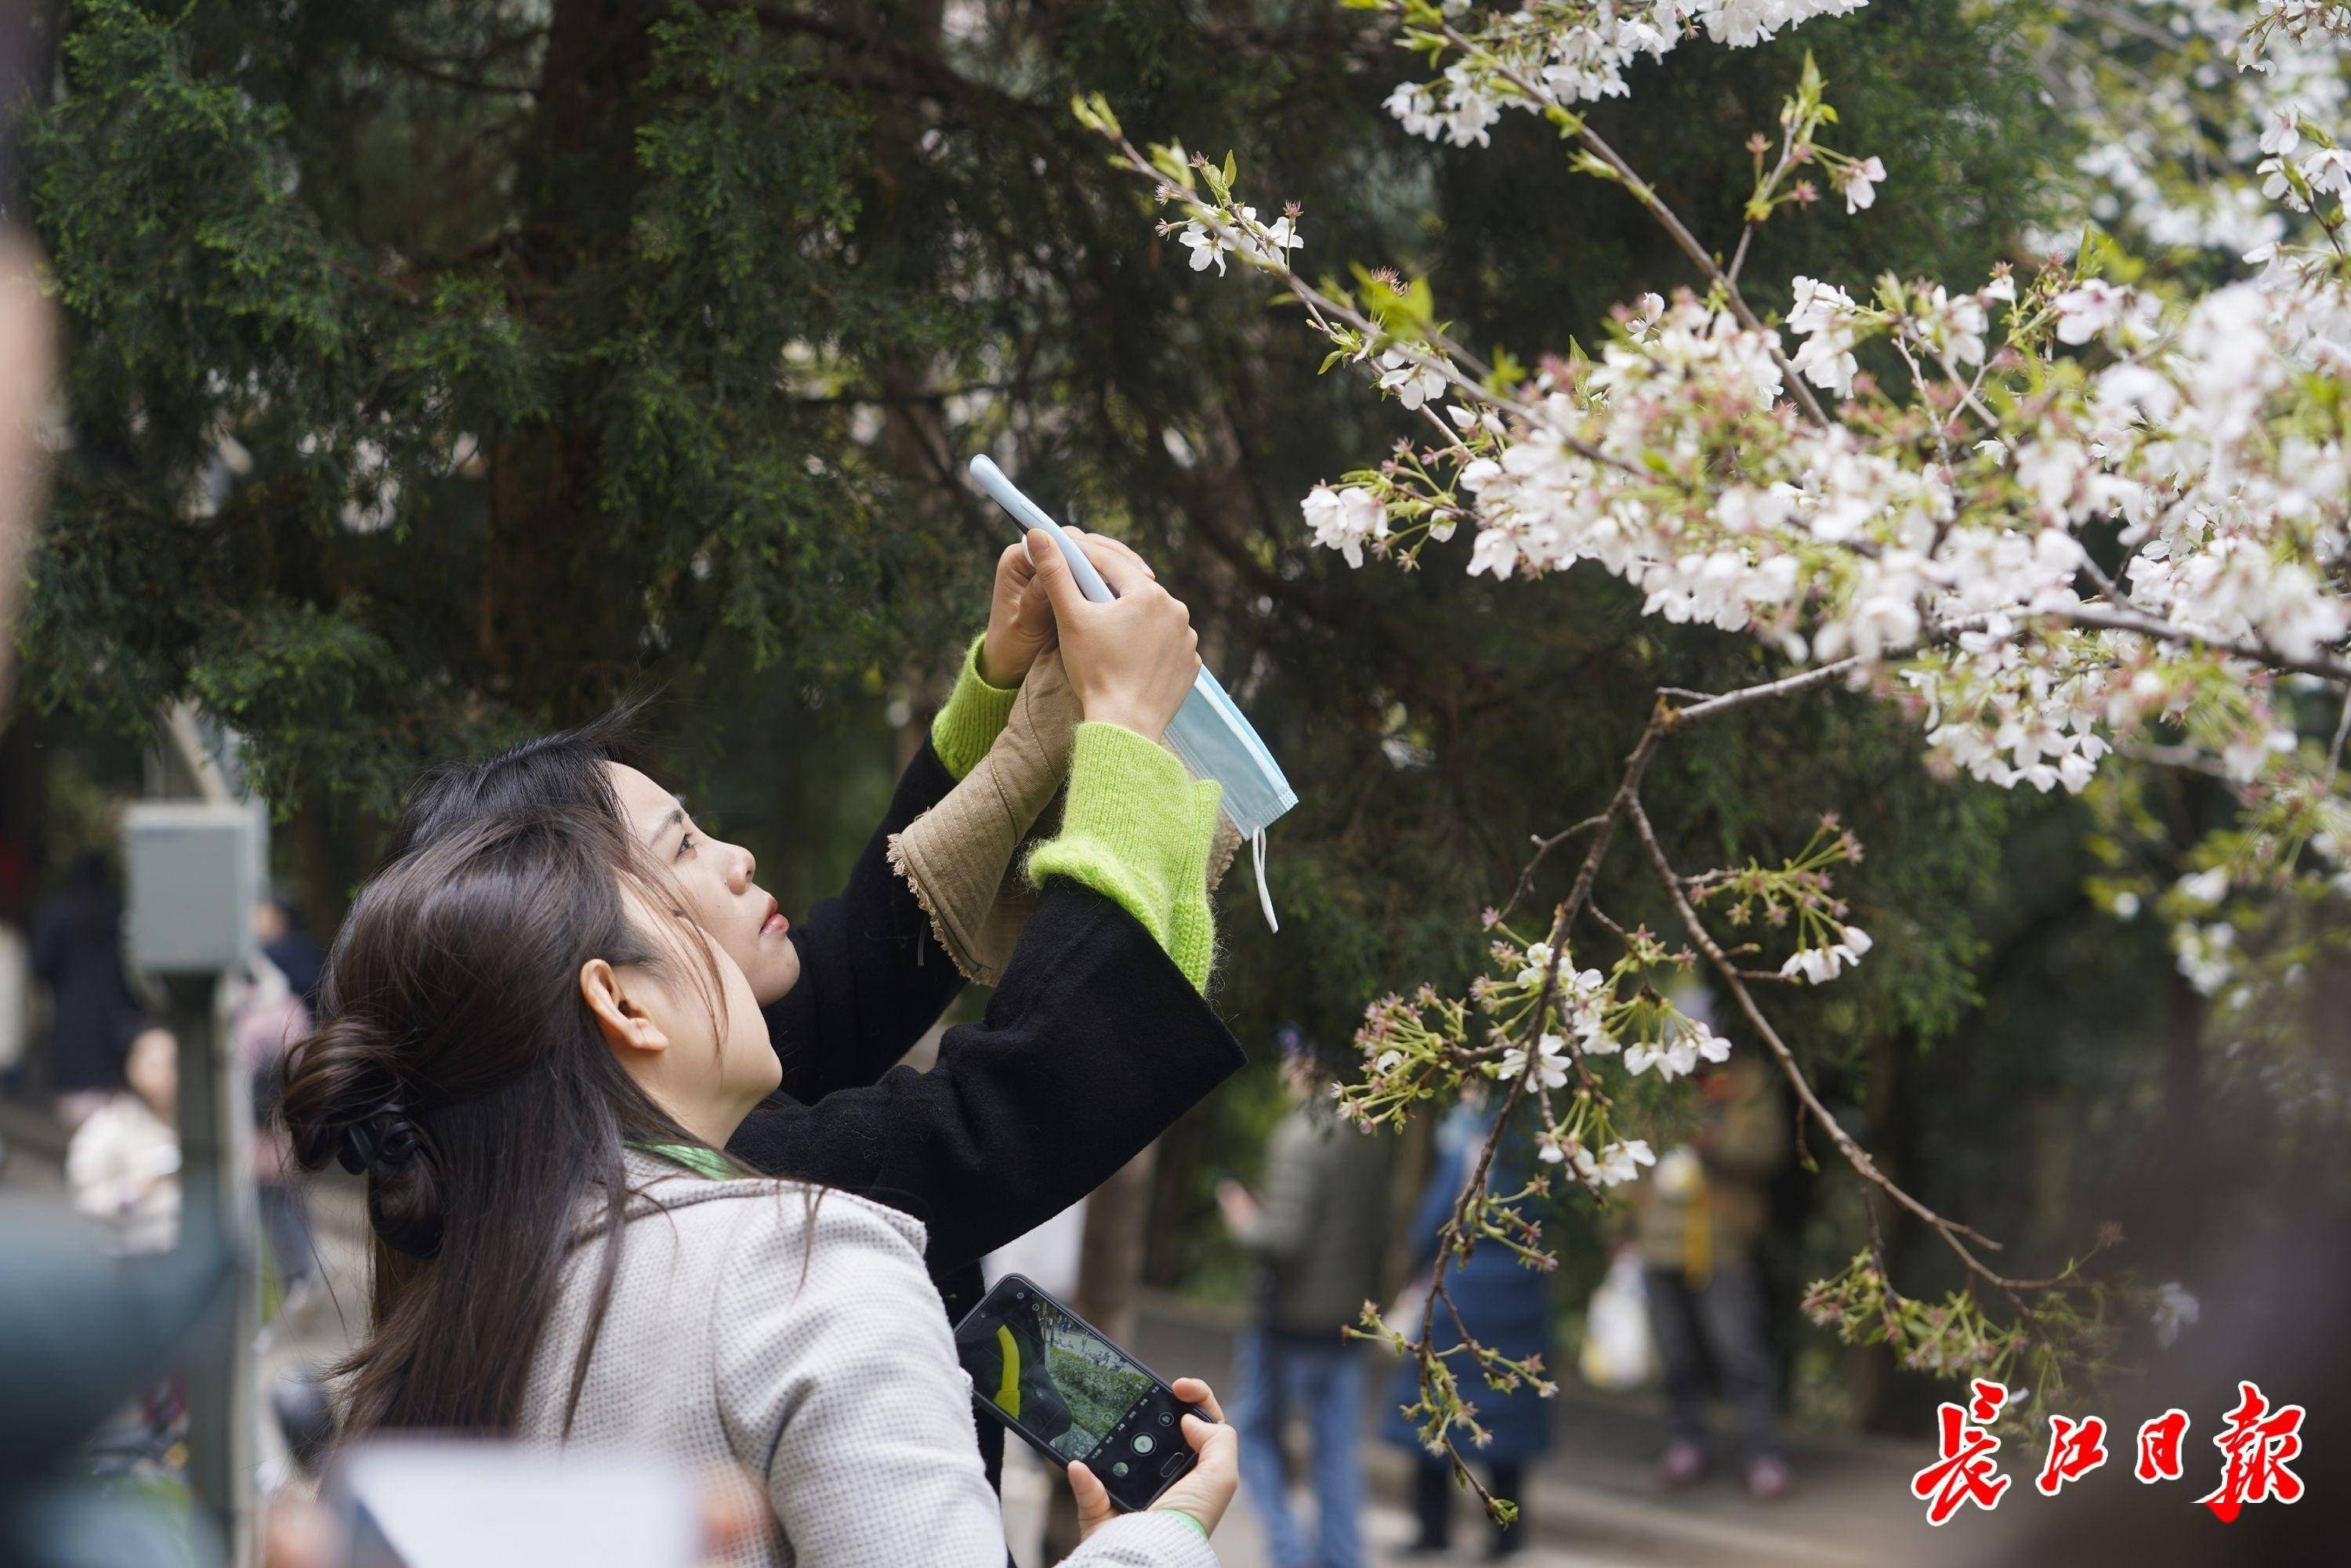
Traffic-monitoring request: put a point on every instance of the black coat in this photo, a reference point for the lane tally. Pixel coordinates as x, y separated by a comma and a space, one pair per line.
78, 953
1091, 1046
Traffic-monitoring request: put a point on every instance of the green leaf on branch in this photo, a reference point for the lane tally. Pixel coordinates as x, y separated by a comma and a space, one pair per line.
1092, 110
1585, 162
1169, 160
2101, 255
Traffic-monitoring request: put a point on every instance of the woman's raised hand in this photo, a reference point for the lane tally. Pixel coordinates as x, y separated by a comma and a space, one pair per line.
1204, 1492
1019, 621
1131, 661
1021, 614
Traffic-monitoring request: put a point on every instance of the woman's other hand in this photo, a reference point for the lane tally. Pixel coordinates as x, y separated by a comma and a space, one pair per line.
1131, 660
1204, 1492
1020, 612
1019, 621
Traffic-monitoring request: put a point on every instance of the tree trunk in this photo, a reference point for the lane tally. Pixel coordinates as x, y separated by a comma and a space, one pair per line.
553, 643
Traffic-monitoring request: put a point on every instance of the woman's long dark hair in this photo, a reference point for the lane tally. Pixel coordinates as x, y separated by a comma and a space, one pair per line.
549, 773
452, 993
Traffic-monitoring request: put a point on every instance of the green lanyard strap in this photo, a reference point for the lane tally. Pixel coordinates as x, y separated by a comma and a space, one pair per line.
701, 1162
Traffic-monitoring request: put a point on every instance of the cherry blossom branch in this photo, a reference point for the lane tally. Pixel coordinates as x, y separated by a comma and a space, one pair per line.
1954, 1235
1785, 686
1746, 515
1326, 308
1455, 1240
1543, 846
2092, 618
1657, 206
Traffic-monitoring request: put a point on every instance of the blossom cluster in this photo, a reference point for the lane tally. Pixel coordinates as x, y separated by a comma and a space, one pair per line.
1944, 529
1946, 521
1577, 51
2175, 100
1536, 1028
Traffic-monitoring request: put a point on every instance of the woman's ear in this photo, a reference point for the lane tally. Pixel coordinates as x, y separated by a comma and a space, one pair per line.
627, 1027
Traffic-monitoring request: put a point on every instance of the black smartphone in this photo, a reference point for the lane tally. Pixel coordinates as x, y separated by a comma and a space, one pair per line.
1059, 1382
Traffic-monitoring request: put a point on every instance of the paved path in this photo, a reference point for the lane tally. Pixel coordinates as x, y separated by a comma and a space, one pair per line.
1595, 1499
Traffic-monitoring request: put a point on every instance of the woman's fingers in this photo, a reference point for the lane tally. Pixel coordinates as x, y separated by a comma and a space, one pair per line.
1093, 1500
1097, 545
1122, 569
1200, 1433
1205, 1490
734, 1511
1193, 1391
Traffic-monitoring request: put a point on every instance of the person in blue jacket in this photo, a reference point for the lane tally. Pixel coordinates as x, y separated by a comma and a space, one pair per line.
1507, 1307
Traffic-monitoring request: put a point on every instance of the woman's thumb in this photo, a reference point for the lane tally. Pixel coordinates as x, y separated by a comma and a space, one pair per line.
1053, 572
1092, 1498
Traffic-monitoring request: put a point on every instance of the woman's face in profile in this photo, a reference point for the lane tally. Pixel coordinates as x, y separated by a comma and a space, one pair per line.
715, 876
719, 1053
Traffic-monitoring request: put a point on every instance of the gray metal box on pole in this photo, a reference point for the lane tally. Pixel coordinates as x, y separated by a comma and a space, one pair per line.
195, 876
196, 872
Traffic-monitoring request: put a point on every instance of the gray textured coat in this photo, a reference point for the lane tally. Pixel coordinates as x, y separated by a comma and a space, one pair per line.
798, 1335
1324, 1226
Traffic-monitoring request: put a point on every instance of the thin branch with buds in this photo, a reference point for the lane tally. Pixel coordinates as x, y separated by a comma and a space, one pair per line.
1657, 206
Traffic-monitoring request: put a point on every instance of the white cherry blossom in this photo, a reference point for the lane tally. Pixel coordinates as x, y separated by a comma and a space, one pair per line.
1858, 182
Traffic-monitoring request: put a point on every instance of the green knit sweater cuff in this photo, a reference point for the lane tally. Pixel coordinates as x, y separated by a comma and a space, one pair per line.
1137, 829
973, 718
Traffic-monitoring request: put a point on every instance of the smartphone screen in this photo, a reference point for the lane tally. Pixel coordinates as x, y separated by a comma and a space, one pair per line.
1072, 1393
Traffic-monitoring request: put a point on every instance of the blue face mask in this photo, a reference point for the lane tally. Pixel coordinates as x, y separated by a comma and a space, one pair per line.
1208, 731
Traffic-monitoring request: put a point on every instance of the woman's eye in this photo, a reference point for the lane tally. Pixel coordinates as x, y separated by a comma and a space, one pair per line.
684, 843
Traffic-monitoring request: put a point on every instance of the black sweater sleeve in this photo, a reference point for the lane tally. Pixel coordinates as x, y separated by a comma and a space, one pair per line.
1092, 1047
872, 977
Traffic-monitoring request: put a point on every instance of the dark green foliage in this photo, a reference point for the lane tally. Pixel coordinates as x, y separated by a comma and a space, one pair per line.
503, 375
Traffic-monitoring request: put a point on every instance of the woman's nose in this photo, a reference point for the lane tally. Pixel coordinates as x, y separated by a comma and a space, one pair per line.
745, 868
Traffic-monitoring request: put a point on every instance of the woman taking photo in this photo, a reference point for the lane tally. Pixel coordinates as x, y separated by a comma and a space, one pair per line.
536, 1058
1098, 1036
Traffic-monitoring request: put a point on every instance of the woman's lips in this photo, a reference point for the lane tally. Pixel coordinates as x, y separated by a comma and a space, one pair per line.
776, 924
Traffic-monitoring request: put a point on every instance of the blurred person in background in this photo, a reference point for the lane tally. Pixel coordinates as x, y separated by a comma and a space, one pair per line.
123, 1169
278, 930
1697, 1218
1317, 1235
267, 1015
123, 1164
78, 953
1506, 1306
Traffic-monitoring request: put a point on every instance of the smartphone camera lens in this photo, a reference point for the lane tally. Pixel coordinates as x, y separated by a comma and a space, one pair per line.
1020, 1295
1168, 1417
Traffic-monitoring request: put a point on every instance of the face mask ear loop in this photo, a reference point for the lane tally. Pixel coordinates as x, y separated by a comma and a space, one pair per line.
1264, 898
